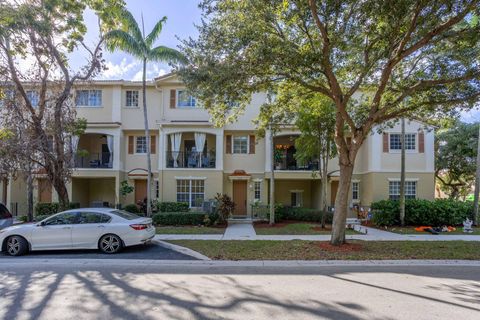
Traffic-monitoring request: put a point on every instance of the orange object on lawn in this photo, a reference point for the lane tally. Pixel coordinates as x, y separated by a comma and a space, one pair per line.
422, 228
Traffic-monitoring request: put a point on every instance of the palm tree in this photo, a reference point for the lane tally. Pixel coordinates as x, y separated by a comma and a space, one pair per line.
133, 41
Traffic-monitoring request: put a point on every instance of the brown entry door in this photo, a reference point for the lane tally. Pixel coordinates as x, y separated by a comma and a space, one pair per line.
333, 191
240, 197
140, 190
44, 191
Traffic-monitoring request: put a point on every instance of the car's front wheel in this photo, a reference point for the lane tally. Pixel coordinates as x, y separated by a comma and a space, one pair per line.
110, 243
16, 246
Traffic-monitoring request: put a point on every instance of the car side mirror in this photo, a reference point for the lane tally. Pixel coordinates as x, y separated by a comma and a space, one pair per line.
41, 224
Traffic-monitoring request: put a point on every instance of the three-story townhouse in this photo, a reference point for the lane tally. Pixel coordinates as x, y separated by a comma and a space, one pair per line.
192, 160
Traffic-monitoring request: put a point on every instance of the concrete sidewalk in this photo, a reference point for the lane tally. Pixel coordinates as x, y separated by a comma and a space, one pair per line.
372, 234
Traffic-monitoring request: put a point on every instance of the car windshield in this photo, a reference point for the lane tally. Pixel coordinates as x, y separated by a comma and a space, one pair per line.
125, 214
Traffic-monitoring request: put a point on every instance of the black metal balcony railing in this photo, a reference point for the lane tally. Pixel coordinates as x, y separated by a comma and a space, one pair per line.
190, 159
288, 162
94, 160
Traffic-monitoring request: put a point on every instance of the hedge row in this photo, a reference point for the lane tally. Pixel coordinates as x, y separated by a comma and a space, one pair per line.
47, 208
422, 212
301, 214
172, 207
185, 218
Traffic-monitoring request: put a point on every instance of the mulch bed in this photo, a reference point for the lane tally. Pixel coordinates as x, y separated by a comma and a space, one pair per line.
347, 247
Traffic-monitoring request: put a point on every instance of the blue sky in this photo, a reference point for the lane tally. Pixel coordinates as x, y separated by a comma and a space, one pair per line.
181, 15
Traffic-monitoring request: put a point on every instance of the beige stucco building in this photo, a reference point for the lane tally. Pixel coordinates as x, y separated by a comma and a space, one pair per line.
192, 160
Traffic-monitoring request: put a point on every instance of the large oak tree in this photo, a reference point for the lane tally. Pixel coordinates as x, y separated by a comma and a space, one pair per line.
37, 40
376, 60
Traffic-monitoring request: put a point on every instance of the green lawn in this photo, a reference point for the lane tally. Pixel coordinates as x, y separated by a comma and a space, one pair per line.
190, 230
411, 230
295, 229
317, 250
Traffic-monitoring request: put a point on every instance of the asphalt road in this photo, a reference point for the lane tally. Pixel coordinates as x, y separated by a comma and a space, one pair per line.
127, 289
151, 251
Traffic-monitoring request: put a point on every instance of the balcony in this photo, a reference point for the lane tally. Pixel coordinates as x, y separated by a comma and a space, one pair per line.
285, 158
194, 150
94, 151
93, 160
190, 159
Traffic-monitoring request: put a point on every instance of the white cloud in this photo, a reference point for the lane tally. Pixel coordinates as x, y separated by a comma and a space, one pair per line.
119, 71
153, 70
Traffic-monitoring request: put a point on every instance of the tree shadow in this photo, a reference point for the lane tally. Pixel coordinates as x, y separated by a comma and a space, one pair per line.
152, 292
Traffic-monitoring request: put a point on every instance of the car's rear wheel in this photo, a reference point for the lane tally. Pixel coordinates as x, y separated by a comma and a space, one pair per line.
110, 243
16, 246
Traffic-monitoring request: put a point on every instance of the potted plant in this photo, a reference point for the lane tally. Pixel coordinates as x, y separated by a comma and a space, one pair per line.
278, 157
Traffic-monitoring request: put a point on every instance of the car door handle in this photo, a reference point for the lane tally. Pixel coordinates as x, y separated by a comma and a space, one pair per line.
100, 226
66, 228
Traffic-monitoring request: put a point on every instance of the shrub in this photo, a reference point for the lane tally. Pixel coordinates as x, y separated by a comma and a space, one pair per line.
47, 208
422, 212
184, 218
23, 218
225, 207
306, 214
131, 208
171, 206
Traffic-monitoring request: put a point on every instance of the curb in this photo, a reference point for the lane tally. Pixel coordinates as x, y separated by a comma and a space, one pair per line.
287, 264
182, 250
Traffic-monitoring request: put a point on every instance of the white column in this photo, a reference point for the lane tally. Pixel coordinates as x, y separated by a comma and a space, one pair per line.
117, 104
161, 148
219, 150
116, 150
268, 151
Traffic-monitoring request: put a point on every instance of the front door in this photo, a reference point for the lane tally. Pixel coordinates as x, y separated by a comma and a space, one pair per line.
240, 197
333, 192
140, 190
44, 191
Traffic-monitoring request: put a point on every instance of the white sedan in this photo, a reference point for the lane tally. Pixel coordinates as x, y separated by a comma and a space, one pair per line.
91, 228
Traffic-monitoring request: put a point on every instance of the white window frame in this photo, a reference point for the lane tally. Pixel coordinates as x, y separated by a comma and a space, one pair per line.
299, 195
240, 136
257, 190
90, 92
132, 99
33, 93
188, 191
408, 195
356, 185
191, 98
137, 144
411, 150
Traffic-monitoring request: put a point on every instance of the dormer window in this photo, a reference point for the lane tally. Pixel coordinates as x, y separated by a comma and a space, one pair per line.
88, 98
131, 98
185, 100
396, 144
33, 97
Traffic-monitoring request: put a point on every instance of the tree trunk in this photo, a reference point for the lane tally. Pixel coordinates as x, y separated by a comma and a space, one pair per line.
323, 186
402, 175
341, 204
30, 194
272, 180
61, 189
477, 183
147, 138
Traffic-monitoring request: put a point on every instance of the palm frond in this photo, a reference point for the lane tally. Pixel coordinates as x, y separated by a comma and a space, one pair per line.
165, 54
122, 40
153, 35
130, 25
